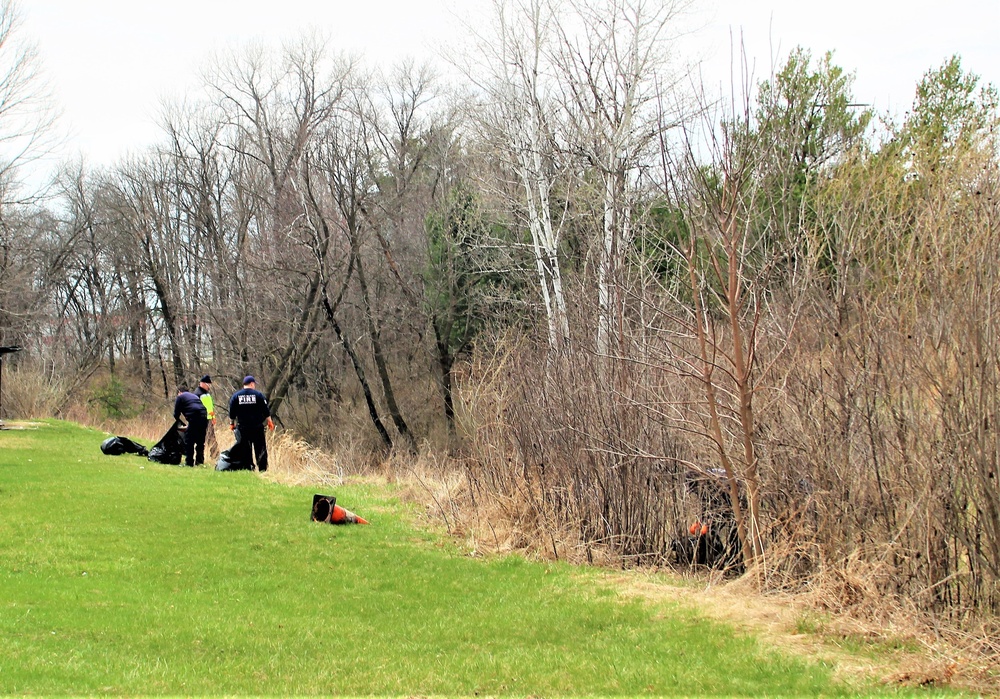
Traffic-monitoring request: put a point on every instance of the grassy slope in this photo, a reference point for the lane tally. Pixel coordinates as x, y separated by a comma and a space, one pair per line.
122, 576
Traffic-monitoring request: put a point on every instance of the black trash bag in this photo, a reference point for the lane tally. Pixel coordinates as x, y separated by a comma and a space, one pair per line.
114, 446
238, 457
170, 448
234, 459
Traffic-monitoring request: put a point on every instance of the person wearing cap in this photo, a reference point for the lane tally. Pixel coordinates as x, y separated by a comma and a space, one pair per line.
204, 391
190, 406
248, 415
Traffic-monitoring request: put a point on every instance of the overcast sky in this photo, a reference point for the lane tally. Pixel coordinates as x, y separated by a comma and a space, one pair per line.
112, 62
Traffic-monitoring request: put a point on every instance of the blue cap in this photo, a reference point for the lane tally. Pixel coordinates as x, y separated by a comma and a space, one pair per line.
248, 380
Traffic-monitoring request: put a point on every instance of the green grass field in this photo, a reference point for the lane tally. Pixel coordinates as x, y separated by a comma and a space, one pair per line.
120, 576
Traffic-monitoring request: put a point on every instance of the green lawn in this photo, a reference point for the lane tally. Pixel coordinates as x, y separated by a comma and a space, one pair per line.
120, 576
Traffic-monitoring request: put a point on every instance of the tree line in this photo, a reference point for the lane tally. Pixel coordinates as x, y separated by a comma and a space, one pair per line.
595, 284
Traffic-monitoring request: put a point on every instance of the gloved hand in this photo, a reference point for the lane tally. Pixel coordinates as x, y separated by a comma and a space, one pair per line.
270, 424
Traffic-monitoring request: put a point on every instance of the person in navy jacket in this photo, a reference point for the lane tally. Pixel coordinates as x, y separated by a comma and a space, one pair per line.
248, 415
190, 406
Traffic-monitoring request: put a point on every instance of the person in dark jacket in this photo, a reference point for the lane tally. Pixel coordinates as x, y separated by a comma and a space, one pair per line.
249, 413
190, 406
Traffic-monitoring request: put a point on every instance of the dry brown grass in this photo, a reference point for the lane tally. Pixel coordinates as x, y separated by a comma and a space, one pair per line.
923, 648
788, 623
488, 523
293, 461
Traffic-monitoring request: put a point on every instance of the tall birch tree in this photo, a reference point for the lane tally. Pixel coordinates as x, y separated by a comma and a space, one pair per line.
517, 114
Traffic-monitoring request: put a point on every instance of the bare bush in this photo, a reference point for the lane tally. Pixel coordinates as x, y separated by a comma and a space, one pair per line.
29, 391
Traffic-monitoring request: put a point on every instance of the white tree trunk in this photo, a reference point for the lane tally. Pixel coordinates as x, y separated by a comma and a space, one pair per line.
605, 272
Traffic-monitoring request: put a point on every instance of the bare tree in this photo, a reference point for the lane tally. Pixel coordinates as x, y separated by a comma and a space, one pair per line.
274, 110
518, 114
27, 115
343, 199
613, 61
26, 130
144, 206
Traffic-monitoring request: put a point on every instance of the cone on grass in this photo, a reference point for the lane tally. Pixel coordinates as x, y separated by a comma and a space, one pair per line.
326, 509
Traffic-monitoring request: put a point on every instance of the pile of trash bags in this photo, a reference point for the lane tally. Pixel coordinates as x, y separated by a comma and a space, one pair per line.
170, 450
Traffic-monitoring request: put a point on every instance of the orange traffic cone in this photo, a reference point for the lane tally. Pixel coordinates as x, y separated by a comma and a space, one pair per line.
326, 509
342, 516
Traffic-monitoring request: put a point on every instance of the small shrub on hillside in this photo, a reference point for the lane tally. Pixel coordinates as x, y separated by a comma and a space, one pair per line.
112, 401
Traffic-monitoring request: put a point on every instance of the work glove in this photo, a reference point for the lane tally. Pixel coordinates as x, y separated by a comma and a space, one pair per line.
270, 424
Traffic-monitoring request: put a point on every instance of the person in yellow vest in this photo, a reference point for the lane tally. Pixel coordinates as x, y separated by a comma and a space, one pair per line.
204, 391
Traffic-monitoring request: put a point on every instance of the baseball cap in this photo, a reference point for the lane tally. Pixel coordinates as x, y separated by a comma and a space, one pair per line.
248, 379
